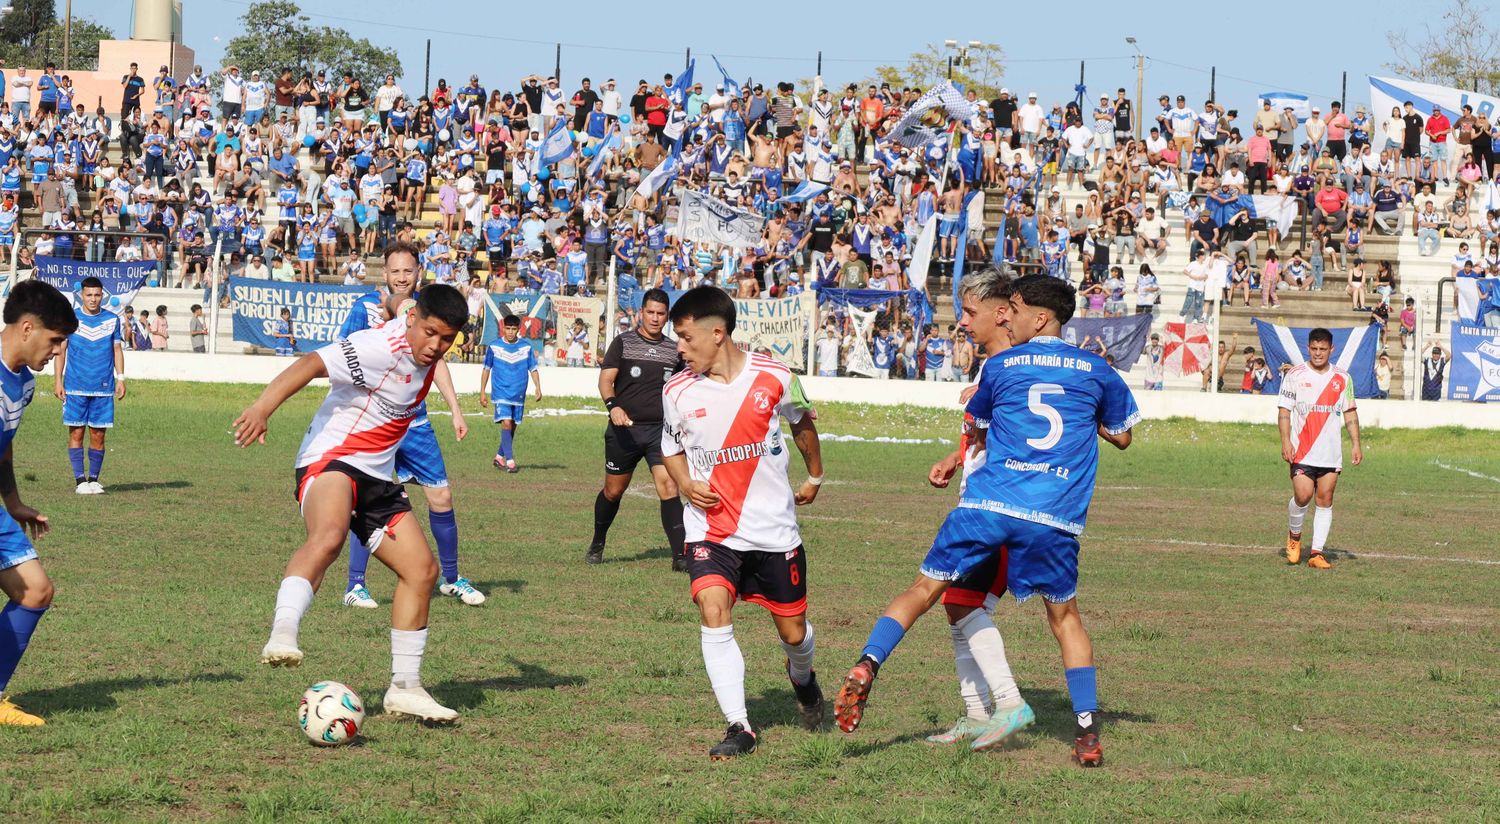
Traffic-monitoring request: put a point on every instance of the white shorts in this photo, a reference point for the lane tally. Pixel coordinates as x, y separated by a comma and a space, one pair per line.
1104, 140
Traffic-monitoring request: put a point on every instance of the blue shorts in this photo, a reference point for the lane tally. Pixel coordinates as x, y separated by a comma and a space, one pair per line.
15, 547
93, 411
947, 226
419, 459
506, 411
1042, 560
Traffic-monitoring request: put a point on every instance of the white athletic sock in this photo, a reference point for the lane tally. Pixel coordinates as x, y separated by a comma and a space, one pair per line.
1322, 520
989, 655
292, 600
972, 687
407, 646
1294, 516
801, 658
726, 672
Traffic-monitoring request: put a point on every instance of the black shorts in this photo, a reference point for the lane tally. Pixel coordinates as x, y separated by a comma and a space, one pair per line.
1208, 145
785, 131
775, 580
625, 446
378, 503
1313, 472
1410, 151
975, 587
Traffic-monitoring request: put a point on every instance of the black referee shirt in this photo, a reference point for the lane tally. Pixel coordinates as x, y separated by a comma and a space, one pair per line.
644, 367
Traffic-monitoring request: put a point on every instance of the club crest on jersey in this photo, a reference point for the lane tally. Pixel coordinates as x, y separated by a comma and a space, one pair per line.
762, 400
635, 371
701, 552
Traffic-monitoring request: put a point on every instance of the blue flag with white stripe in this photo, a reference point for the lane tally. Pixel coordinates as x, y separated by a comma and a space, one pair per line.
1280, 208
731, 88
557, 146
805, 191
610, 143
677, 92
1354, 350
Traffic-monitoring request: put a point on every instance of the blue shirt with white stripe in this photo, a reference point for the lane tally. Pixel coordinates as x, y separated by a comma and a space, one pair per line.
16, 391
90, 369
510, 365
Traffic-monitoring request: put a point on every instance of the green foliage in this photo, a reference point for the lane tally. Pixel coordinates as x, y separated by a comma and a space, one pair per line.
277, 35
1463, 51
981, 69
22, 30
31, 34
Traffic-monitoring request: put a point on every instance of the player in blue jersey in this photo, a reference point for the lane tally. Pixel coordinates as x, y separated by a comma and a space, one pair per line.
1040, 404
38, 321
90, 378
507, 364
418, 458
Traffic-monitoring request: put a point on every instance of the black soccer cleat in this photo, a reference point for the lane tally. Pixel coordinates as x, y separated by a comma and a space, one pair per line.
595, 555
809, 700
680, 562
737, 741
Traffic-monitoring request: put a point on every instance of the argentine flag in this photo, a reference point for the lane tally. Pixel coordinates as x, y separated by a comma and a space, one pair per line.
611, 143
557, 145
1354, 351
1279, 208
660, 178
805, 191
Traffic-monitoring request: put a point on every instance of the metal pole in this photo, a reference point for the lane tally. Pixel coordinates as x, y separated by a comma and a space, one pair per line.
172, 57
557, 64
1213, 385
1140, 90
1344, 90
67, 33
427, 69
687, 57
1080, 83
820, 64
1213, 77
213, 298
950, 67
611, 295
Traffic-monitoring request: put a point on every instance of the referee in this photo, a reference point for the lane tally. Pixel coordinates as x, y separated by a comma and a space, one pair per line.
631, 376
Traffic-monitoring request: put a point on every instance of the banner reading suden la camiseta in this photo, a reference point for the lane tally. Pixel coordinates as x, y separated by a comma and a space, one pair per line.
121, 280
318, 310
1387, 93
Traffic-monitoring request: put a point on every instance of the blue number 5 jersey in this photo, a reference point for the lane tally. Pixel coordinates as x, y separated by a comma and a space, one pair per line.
1043, 403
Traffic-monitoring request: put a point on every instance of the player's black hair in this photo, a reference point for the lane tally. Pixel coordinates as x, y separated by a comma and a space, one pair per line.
657, 296
702, 303
42, 301
1047, 292
445, 303
91, 283
1320, 334
511, 320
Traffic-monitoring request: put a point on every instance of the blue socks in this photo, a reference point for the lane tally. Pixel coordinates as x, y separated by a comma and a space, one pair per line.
887, 633
506, 439
75, 457
17, 623
1083, 688
359, 561
96, 461
445, 533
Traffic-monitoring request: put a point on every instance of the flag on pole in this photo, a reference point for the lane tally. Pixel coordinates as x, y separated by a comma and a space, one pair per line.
611, 143
677, 93
659, 178
928, 118
731, 88
1186, 351
557, 145
805, 191
1354, 351
921, 255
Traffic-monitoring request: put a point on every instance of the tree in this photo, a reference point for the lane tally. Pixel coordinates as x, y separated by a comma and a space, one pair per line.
23, 30
1463, 52
277, 35
981, 70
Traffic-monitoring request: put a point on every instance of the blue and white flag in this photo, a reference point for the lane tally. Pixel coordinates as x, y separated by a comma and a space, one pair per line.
1279, 208
731, 88
710, 220
659, 178
1476, 363
557, 146
928, 118
1354, 350
611, 143
1477, 297
1123, 338
1280, 100
677, 92
805, 191
121, 280
318, 310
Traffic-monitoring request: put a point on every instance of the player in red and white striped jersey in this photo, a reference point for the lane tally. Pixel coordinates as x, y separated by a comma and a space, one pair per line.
379, 378
722, 444
1316, 398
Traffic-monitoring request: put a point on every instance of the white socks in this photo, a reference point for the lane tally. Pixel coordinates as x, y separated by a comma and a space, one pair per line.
800, 657
292, 600
989, 655
1294, 516
726, 671
1322, 521
407, 646
972, 687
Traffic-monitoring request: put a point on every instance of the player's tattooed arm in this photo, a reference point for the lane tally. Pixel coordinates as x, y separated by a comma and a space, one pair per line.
250, 426
805, 436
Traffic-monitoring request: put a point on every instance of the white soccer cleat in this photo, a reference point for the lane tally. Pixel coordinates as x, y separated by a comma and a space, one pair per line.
96, 488
280, 654
464, 591
416, 703
360, 597
82, 488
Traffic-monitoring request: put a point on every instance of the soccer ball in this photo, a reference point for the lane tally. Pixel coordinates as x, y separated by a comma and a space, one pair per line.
330, 714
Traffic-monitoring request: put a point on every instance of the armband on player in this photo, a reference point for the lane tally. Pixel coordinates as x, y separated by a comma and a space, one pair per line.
815, 480
609, 403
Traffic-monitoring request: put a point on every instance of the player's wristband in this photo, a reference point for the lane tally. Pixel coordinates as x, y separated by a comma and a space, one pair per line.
609, 403
815, 480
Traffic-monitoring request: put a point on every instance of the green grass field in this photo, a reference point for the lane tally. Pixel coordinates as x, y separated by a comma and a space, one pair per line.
1233, 685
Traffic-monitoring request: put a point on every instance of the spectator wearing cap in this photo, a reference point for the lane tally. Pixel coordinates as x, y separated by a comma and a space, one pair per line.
1286, 133
1437, 128
1030, 119
232, 97
1316, 130
166, 92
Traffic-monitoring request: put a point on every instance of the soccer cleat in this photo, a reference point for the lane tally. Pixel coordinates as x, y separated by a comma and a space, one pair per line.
1086, 750
1002, 725
464, 591
498, 462
849, 707
96, 488
82, 488
964, 727
358, 596
278, 654
680, 562
1317, 561
737, 741
13, 716
510, 466
595, 555
809, 700
415, 702
1293, 548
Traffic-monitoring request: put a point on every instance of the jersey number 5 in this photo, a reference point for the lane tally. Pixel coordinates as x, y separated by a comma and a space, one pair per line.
1037, 403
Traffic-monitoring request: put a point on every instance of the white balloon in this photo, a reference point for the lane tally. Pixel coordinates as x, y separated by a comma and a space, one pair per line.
411, 144
445, 135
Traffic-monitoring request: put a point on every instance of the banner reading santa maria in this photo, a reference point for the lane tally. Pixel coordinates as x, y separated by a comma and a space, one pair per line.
121, 280
318, 310
1476, 364
776, 327
578, 341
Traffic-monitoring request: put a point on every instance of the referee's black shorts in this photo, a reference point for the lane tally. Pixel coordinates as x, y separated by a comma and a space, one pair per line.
625, 446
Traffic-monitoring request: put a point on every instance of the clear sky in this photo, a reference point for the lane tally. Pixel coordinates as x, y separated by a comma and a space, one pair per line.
1256, 48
